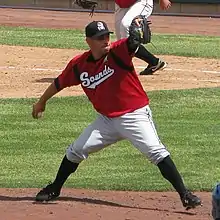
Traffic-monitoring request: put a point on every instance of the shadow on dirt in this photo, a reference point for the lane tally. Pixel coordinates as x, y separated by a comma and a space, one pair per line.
45, 80
88, 201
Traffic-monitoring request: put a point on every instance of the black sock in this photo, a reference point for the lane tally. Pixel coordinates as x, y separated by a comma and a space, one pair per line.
146, 56
66, 168
170, 172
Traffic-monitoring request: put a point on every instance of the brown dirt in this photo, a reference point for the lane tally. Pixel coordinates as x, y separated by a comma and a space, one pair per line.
27, 71
83, 204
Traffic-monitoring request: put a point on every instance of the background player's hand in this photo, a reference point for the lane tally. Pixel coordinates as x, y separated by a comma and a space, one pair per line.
165, 4
138, 21
38, 109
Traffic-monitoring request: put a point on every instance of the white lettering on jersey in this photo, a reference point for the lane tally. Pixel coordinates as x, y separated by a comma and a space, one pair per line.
93, 81
100, 26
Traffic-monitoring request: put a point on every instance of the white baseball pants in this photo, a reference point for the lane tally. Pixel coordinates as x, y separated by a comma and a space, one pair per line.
124, 16
137, 127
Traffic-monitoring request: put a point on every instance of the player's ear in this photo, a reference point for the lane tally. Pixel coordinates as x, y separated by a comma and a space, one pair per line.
88, 41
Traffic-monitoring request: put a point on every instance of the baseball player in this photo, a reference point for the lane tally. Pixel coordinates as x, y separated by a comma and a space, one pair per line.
216, 202
125, 12
107, 76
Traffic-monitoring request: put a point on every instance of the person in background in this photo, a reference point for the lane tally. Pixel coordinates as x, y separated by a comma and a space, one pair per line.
125, 12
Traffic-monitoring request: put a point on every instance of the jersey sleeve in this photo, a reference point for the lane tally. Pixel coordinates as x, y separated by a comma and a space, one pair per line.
69, 76
120, 48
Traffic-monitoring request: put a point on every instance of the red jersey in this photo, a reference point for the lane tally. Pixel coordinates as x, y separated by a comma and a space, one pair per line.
110, 83
125, 3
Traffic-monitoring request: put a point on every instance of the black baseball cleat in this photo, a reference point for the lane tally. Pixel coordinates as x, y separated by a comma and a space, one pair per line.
48, 193
152, 69
190, 201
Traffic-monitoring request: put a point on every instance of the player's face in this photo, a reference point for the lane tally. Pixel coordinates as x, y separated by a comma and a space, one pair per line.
99, 45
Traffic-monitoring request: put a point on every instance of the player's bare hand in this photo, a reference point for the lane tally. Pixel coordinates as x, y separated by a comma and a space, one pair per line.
138, 21
38, 109
165, 4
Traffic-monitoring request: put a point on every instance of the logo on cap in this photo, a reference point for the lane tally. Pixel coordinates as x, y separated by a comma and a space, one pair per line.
100, 26
97, 28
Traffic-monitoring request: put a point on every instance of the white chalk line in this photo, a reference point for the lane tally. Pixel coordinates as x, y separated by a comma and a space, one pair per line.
184, 70
138, 67
32, 69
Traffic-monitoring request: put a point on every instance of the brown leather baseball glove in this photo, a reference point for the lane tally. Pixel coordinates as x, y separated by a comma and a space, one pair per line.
87, 4
139, 30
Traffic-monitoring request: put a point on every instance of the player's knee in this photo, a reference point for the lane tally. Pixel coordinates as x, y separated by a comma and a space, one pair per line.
157, 156
75, 155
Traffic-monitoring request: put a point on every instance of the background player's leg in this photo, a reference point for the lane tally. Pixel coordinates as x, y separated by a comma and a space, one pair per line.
95, 137
123, 19
127, 15
123, 22
119, 14
143, 54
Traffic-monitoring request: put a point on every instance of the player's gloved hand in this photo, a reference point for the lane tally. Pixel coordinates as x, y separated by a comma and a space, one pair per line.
139, 30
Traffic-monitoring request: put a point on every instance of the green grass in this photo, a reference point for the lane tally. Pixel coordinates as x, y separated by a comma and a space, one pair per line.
35, 37
180, 45
187, 122
186, 45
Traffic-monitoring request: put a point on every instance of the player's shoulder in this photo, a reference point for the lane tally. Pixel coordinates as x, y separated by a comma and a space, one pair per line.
81, 57
119, 43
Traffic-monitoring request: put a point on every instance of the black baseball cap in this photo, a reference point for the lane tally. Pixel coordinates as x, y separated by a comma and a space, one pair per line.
96, 29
